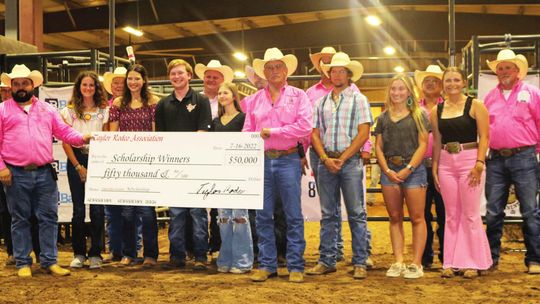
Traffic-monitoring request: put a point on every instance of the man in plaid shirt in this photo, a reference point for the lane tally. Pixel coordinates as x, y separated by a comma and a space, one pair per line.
341, 122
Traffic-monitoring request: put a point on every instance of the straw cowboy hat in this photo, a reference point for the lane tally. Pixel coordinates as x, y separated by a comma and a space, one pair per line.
214, 65
509, 56
341, 59
275, 54
108, 77
432, 70
21, 71
316, 58
2, 85
250, 74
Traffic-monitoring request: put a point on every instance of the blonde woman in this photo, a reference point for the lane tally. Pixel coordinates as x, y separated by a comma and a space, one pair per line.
401, 141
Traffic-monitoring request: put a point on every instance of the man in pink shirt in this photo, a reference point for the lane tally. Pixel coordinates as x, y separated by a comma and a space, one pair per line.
514, 120
430, 81
27, 126
282, 115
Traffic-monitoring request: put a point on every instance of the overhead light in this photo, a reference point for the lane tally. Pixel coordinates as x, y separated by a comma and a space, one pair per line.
389, 50
133, 31
239, 74
399, 69
240, 56
373, 20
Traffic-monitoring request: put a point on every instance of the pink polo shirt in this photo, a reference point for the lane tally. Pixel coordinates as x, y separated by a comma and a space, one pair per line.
318, 91
27, 138
429, 151
514, 122
289, 118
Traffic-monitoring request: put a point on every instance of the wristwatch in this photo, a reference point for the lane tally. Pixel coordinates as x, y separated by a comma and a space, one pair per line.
410, 167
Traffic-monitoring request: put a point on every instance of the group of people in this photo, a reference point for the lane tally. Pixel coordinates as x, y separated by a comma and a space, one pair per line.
429, 149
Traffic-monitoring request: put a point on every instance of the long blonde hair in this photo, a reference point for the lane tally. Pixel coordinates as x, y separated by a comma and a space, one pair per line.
416, 111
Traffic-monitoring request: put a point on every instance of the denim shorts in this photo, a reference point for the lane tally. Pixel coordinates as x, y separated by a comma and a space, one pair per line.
416, 179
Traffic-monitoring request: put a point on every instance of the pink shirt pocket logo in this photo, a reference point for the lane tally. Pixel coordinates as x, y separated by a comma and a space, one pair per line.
524, 96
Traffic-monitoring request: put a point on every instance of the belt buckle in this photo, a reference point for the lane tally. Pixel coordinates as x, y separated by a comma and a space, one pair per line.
396, 160
453, 147
272, 154
333, 154
31, 167
506, 152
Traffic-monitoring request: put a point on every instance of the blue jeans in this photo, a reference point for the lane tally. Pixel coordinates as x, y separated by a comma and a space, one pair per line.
236, 245
33, 192
349, 181
281, 175
130, 214
114, 229
177, 233
97, 217
432, 195
314, 164
520, 170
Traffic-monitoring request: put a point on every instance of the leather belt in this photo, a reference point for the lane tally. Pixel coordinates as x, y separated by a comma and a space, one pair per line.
511, 151
82, 150
273, 154
397, 160
30, 167
428, 162
456, 147
333, 154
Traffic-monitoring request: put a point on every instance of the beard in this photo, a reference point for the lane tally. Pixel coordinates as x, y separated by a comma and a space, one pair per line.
22, 96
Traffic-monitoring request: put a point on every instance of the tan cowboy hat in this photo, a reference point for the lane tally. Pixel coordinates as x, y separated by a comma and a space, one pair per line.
432, 70
341, 59
21, 71
108, 77
275, 54
508, 55
2, 85
214, 65
316, 58
250, 74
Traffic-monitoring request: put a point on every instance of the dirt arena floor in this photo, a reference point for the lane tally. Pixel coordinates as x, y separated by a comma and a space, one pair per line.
510, 284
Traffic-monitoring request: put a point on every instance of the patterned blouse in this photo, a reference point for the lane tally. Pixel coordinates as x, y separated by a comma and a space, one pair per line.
133, 120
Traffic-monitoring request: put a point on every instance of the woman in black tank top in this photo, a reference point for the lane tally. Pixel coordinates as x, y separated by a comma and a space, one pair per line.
460, 141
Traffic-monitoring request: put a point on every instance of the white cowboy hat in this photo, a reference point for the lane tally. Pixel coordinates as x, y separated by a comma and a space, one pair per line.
214, 65
316, 58
275, 54
432, 70
250, 74
108, 77
341, 59
21, 71
508, 55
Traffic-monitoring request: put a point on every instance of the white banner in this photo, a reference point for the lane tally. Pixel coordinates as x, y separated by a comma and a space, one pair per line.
179, 169
59, 98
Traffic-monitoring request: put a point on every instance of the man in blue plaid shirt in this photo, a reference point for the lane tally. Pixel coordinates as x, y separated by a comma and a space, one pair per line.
341, 122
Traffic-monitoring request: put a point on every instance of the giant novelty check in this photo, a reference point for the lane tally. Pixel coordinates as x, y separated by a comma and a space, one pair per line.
178, 169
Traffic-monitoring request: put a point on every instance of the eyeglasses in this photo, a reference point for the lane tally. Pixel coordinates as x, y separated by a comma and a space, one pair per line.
338, 72
272, 67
